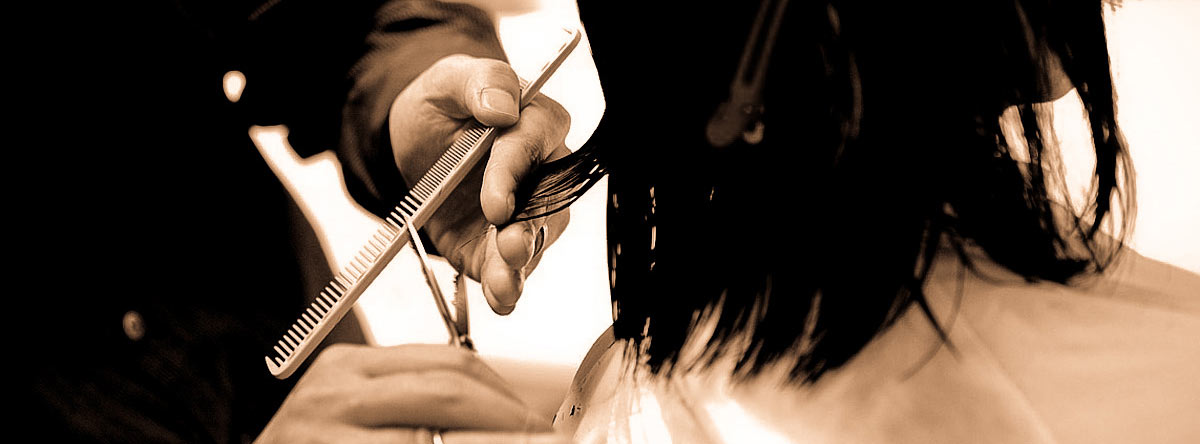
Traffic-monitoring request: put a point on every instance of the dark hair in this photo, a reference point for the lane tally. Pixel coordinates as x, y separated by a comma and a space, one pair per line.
884, 140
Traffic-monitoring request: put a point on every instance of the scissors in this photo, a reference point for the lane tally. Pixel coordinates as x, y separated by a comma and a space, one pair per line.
426, 196
458, 324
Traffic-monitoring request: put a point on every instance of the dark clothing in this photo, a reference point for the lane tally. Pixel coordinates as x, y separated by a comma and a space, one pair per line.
659, 155
164, 258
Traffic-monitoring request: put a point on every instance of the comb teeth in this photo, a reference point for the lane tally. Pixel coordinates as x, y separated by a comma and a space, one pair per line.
336, 299
430, 183
316, 319
315, 322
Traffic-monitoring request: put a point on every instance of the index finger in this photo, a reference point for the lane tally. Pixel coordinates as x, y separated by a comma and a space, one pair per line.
376, 362
534, 140
437, 399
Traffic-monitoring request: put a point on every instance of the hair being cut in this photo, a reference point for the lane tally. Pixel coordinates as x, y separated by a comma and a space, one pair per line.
884, 142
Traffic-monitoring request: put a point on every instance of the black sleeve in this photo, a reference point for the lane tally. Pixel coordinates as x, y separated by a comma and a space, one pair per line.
406, 38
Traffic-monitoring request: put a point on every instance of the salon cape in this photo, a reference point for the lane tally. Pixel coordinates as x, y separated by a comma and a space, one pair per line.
1110, 359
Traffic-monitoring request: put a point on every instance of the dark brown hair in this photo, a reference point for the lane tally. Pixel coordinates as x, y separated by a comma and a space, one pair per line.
883, 141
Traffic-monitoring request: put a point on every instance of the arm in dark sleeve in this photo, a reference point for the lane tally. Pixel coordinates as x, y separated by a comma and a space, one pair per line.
407, 37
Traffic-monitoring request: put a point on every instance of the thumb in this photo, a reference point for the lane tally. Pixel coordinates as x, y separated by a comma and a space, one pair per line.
463, 86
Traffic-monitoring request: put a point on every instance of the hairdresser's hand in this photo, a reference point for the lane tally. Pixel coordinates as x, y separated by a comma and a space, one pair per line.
397, 394
426, 118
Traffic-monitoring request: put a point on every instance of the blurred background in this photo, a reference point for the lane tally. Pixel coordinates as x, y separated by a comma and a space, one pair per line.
565, 305
1155, 49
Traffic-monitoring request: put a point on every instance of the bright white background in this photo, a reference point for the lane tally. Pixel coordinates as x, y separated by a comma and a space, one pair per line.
565, 305
1155, 46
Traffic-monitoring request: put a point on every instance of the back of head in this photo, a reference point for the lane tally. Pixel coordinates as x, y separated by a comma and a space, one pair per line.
883, 143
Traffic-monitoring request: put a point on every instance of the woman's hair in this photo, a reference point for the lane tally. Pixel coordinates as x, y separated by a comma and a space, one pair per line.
883, 142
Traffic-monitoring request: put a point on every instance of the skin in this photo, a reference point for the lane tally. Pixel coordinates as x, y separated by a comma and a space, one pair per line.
432, 112
396, 394
360, 394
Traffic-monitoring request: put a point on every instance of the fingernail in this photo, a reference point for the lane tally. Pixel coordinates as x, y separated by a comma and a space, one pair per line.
498, 101
504, 310
518, 278
511, 204
531, 241
498, 306
539, 240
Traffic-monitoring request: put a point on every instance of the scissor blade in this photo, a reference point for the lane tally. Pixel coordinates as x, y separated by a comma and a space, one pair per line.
461, 320
438, 298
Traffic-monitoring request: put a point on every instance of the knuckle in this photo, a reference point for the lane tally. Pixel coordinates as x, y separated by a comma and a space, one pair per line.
335, 353
440, 68
557, 111
496, 66
553, 112
445, 390
553, 123
312, 401
452, 60
347, 408
518, 153
489, 72
533, 153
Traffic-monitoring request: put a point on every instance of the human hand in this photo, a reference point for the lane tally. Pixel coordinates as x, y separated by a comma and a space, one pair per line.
355, 393
428, 115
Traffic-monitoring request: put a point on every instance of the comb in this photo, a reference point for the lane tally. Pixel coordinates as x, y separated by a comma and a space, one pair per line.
332, 304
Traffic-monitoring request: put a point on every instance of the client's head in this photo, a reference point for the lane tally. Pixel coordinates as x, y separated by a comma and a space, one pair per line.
883, 145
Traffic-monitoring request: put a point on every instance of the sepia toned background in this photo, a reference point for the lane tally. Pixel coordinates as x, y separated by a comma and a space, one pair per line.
1155, 47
